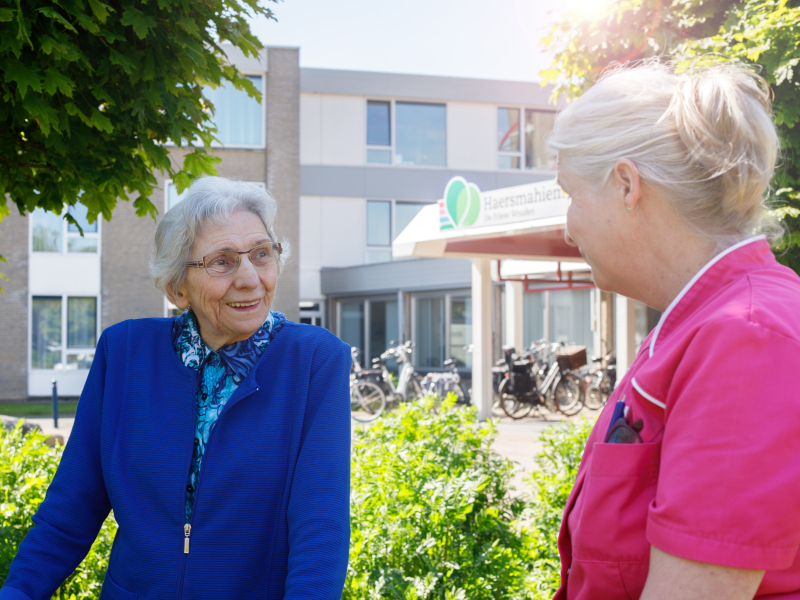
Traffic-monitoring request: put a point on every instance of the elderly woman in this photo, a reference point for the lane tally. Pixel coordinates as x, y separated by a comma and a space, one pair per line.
690, 481
220, 438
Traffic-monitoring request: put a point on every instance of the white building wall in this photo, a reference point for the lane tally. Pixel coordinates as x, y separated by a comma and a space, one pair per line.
332, 234
344, 130
471, 132
310, 129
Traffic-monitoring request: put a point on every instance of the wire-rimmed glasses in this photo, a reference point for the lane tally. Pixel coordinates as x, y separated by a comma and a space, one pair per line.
220, 264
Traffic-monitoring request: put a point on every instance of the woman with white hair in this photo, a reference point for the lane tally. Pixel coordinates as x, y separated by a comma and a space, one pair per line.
220, 438
689, 484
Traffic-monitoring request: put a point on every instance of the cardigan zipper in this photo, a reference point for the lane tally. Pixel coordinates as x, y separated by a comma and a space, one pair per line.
187, 528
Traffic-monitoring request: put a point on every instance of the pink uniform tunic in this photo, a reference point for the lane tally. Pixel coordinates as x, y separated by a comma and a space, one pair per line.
717, 477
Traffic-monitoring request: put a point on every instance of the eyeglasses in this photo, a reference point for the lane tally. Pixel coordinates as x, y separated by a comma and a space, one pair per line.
220, 264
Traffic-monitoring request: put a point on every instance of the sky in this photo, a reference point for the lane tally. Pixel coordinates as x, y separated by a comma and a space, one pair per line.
494, 39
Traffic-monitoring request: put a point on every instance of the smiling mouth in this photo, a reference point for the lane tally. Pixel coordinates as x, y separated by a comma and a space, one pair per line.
243, 304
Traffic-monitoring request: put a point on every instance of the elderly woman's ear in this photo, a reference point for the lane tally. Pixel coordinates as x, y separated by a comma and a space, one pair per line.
177, 297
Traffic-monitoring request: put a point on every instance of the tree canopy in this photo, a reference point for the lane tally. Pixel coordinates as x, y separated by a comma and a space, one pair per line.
765, 33
91, 91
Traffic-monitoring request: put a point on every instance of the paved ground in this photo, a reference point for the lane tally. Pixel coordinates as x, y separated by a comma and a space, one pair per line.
46, 423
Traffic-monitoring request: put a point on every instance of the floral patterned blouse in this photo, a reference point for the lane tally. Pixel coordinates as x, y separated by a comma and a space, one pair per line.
220, 373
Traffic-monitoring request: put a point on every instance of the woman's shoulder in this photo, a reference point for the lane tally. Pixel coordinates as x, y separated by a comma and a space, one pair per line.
314, 340
136, 330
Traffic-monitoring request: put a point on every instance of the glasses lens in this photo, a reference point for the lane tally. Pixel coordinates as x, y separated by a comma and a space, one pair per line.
223, 263
262, 257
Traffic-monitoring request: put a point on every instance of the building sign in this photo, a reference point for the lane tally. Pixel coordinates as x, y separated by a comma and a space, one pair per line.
464, 205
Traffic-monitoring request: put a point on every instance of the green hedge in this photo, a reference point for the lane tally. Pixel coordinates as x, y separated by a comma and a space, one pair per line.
433, 515
27, 465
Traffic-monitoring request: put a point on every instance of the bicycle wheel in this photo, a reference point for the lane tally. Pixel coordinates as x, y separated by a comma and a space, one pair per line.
595, 398
511, 405
414, 390
568, 394
367, 401
461, 394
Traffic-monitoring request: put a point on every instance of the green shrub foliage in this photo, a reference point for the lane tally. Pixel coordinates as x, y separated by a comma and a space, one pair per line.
431, 512
551, 485
27, 465
433, 515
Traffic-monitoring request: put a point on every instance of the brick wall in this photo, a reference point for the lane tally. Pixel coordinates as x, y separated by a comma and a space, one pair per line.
127, 291
283, 166
14, 308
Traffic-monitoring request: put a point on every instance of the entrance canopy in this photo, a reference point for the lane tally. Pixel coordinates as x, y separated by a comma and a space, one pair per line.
523, 222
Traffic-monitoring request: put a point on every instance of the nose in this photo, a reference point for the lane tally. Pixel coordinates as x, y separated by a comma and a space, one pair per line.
246, 274
568, 238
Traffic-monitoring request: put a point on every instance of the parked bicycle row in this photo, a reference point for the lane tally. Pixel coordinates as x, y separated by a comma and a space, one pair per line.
372, 390
552, 376
545, 375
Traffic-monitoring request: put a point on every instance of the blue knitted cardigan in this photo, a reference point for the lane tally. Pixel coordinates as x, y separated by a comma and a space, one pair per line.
271, 514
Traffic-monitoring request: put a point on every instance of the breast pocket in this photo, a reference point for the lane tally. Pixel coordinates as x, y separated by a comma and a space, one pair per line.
619, 487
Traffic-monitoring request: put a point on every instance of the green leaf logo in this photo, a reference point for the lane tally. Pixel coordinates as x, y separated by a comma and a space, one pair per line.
463, 202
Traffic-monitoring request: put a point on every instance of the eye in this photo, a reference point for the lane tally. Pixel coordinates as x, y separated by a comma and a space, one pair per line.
262, 253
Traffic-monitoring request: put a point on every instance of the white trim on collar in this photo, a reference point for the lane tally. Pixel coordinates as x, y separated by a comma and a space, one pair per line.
694, 279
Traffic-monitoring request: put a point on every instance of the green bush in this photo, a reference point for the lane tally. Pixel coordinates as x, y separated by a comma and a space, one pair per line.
431, 513
551, 485
27, 465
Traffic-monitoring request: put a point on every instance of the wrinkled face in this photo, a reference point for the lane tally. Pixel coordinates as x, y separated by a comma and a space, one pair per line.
597, 223
230, 308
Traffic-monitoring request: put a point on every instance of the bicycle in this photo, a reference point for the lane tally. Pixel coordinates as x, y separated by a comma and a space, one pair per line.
440, 384
367, 399
531, 381
600, 383
408, 387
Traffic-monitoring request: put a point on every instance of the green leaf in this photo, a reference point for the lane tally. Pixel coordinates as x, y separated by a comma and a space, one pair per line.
100, 10
141, 23
55, 80
101, 122
6, 14
25, 78
53, 14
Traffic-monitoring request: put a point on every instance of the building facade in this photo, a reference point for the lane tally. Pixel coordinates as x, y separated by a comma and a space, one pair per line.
351, 157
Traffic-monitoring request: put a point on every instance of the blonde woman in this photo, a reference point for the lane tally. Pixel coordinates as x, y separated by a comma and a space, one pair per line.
690, 481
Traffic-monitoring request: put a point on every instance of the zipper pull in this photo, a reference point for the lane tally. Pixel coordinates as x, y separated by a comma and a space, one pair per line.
186, 531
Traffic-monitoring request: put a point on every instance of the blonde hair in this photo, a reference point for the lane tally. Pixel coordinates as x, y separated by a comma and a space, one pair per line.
705, 137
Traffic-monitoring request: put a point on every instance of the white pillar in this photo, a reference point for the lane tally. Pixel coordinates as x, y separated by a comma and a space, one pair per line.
546, 328
514, 334
482, 337
595, 295
624, 329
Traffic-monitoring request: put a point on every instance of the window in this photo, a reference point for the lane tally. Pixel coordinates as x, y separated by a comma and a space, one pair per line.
49, 232
238, 117
404, 213
538, 126
508, 145
443, 326
379, 132
379, 231
76, 243
416, 136
383, 326
461, 330
430, 335
55, 319
421, 134
385, 220
351, 324
515, 150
